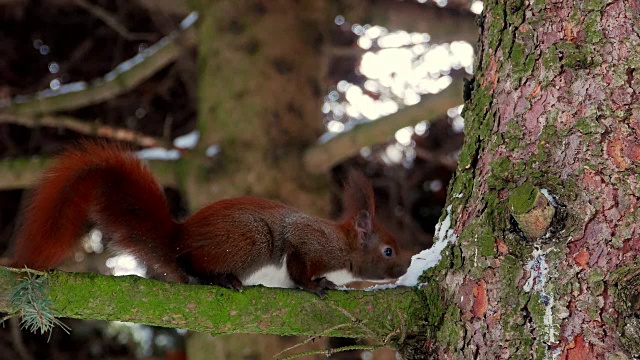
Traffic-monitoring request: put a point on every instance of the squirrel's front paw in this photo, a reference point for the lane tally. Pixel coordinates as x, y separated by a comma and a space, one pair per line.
320, 285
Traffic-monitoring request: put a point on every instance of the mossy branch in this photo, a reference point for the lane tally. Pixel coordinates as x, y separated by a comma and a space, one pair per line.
320, 158
215, 310
29, 298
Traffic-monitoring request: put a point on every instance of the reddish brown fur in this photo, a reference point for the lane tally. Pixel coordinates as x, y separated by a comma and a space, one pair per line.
222, 243
103, 184
358, 195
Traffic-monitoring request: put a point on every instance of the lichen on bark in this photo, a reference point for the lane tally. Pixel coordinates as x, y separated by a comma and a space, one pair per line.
552, 107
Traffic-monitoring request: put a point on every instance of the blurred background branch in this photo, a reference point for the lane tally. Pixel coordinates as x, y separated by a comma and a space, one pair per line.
273, 99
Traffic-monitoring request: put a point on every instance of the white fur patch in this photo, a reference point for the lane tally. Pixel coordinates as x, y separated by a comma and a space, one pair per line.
270, 276
340, 277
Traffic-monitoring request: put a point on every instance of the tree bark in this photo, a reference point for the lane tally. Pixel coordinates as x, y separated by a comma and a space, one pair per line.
553, 111
543, 236
259, 96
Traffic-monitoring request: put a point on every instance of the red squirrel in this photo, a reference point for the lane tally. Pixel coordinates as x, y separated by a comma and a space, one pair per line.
232, 242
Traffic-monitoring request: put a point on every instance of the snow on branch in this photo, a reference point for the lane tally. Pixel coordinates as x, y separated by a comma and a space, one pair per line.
122, 78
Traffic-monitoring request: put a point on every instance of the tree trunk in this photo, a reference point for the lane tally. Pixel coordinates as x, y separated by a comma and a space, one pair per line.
542, 222
259, 97
545, 201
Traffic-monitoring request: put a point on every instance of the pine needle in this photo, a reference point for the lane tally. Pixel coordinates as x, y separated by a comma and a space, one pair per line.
30, 296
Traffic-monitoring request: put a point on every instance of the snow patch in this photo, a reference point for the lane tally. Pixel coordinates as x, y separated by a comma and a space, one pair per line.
429, 258
212, 150
126, 264
187, 141
63, 89
189, 20
549, 197
158, 153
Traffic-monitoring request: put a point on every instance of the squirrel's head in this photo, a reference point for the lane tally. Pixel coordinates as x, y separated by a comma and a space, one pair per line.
375, 254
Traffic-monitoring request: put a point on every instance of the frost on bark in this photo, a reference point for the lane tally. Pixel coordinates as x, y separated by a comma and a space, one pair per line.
545, 202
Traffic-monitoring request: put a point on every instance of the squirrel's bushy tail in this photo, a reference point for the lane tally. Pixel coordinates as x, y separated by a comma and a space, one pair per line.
101, 184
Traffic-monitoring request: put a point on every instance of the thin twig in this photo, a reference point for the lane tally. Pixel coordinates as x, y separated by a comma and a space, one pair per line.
113, 23
166, 129
402, 331
23, 270
311, 338
329, 352
86, 128
353, 319
403, 327
9, 316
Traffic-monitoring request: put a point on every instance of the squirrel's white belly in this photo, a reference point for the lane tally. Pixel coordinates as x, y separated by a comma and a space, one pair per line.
340, 277
278, 276
270, 276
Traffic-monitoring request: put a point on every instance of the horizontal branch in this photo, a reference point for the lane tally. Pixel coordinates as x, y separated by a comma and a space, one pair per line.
23, 173
321, 157
124, 77
85, 127
379, 315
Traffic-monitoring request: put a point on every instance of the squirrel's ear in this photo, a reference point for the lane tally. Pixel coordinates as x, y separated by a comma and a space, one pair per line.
363, 226
358, 194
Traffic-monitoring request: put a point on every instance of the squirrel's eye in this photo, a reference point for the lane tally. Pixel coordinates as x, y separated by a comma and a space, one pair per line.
387, 251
